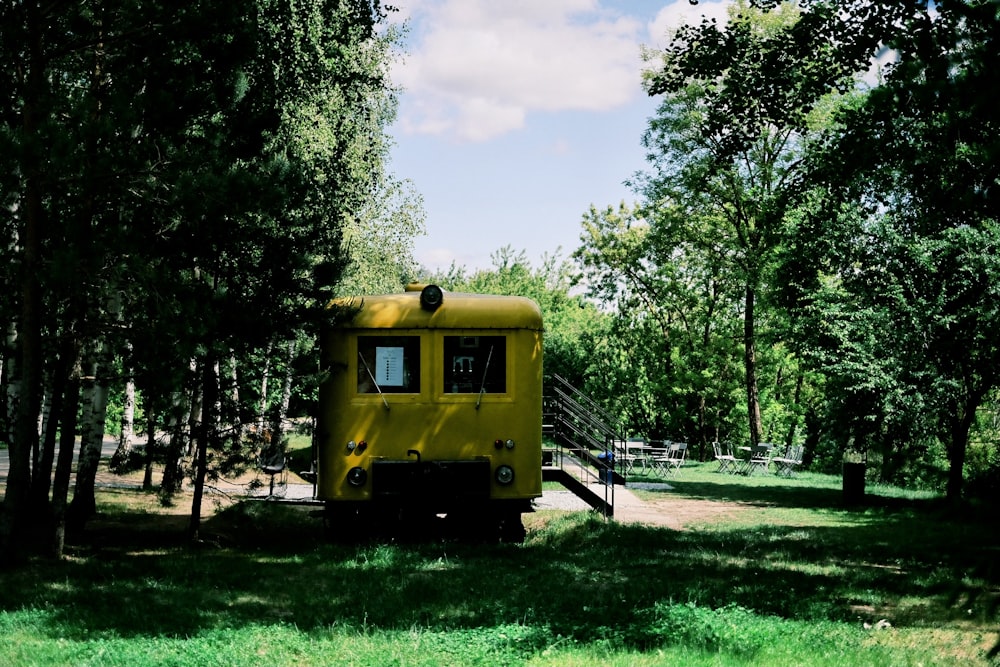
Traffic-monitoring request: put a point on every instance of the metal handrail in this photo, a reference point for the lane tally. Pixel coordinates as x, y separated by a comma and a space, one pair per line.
579, 426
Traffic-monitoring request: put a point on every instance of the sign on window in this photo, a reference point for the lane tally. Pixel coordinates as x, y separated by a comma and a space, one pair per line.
389, 366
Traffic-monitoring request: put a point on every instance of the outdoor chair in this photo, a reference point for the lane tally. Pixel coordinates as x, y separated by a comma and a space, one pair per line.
273, 464
627, 456
760, 459
671, 459
637, 451
784, 466
727, 462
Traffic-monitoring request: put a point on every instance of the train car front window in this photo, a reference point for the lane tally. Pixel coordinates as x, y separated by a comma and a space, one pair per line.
475, 364
389, 364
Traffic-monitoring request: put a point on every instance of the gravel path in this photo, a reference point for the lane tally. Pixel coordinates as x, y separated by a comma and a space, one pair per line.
629, 508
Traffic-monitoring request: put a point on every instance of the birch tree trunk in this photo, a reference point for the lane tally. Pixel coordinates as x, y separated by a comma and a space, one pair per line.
262, 406
277, 425
172, 476
91, 441
14, 521
124, 450
234, 397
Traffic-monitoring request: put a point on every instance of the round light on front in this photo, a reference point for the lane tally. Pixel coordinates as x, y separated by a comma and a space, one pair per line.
351, 445
509, 444
498, 443
504, 475
357, 476
431, 297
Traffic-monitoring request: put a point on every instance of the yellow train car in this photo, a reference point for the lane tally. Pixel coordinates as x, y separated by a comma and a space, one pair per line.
431, 407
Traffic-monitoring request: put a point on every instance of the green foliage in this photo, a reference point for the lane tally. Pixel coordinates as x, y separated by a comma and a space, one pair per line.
898, 245
572, 324
199, 163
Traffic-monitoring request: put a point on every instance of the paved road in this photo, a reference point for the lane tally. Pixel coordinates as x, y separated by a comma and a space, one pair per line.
108, 447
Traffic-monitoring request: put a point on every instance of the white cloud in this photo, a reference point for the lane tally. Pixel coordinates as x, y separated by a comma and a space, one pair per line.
682, 12
477, 68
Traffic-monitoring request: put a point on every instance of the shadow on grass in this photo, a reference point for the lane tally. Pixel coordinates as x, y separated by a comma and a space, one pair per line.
576, 576
770, 491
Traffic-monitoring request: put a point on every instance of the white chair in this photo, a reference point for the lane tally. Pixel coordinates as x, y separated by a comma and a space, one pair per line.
727, 462
760, 458
636, 451
671, 459
784, 466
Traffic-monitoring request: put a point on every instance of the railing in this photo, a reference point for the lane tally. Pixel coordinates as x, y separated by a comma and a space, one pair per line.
583, 437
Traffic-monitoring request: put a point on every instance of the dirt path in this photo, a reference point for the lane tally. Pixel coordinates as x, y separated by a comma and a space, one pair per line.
667, 511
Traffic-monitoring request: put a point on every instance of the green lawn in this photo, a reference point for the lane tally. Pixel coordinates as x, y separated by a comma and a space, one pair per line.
793, 579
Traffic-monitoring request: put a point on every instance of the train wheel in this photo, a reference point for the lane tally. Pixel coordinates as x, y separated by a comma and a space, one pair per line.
346, 523
512, 529
477, 525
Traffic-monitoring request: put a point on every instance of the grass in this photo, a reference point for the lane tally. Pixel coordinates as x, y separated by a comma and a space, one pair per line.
790, 579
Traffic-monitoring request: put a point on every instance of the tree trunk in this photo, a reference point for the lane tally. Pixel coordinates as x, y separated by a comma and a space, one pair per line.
262, 406
956, 455
197, 408
796, 400
44, 422
172, 477
750, 366
962, 418
64, 464
277, 424
124, 449
17, 510
84, 504
206, 437
10, 383
41, 474
234, 397
147, 475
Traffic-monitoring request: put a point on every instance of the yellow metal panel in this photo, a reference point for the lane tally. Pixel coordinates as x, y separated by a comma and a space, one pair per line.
458, 310
438, 425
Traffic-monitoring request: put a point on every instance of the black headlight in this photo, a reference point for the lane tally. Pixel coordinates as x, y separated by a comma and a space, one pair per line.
431, 297
357, 476
504, 475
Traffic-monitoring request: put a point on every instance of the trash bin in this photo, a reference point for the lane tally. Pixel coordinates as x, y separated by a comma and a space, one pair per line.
607, 474
854, 483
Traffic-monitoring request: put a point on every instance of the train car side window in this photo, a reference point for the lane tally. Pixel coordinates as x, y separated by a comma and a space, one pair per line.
474, 364
389, 363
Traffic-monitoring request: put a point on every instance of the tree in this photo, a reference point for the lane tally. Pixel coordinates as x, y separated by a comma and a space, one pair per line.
571, 323
199, 162
899, 249
378, 240
725, 149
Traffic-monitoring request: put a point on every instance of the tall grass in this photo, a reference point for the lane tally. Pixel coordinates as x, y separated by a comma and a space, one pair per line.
793, 579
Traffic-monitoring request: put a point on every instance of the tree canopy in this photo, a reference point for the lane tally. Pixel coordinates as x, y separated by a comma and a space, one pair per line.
173, 177
864, 279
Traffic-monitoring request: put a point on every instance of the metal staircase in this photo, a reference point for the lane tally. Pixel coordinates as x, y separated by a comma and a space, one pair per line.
579, 438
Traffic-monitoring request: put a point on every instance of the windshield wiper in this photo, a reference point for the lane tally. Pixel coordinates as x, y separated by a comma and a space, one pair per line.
482, 386
374, 381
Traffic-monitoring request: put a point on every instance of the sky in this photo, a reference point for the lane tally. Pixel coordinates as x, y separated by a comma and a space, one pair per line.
515, 116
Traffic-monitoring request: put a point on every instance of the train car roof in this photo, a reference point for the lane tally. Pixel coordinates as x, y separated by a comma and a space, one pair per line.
457, 310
